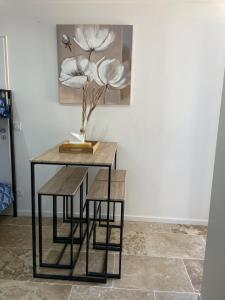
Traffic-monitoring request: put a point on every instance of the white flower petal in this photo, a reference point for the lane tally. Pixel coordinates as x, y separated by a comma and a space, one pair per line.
124, 81
116, 73
69, 66
110, 71
95, 72
64, 77
102, 70
120, 84
90, 70
75, 82
80, 39
106, 42
82, 63
95, 36
90, 36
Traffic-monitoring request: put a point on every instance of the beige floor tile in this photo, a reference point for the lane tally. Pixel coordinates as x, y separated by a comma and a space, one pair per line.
96, 293
150, 227
32, 291
175, 296
20, 265
15, 236
16, 264
195, 271
143, 272
20, 236
175, 245
6, 256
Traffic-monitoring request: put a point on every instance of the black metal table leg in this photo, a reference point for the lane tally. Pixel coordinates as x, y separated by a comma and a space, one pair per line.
40, 228
33, 218
107, 220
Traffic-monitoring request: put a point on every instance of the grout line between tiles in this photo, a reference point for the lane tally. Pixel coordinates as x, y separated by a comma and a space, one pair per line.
70, 293
188, 276
204, 239
175, 292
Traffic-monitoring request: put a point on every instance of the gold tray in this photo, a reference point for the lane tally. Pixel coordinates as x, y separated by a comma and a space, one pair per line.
87, 147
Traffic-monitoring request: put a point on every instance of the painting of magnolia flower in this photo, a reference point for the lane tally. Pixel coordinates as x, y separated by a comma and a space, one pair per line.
94, 63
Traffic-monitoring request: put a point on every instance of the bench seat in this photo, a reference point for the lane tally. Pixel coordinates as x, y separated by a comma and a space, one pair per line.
65, 182
116, 175
99, 189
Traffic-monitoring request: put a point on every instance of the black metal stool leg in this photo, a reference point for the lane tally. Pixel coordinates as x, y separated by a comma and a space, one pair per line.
107, 238
81, 211
67, 208
87, 184
54, 218
100, 213
94, 229
87, 242
40, 228
64, 207
121, 237
71, 231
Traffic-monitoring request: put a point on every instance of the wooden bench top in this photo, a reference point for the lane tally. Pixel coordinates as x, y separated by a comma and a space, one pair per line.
65, 183
99, 191
104, 156
116, 175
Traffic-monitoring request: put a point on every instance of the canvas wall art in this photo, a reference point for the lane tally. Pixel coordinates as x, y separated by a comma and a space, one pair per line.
94, 61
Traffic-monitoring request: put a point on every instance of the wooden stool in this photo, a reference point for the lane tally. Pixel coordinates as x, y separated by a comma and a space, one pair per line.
66, 183
97, 195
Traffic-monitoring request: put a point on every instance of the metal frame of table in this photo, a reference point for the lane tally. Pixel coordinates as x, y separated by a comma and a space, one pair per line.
87, 278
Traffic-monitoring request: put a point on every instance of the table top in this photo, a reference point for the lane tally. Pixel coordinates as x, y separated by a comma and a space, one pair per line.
103, 156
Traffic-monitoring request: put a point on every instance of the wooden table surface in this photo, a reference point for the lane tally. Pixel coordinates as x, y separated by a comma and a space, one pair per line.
104, 156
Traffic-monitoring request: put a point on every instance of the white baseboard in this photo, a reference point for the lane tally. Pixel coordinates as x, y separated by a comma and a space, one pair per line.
136, 218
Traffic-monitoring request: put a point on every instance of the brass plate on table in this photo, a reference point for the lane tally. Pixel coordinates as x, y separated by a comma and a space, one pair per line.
87, 147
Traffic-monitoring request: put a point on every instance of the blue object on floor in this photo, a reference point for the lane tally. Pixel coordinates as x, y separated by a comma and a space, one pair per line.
6, 196
4, 111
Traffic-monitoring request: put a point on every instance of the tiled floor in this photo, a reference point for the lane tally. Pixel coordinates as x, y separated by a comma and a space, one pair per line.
160, 262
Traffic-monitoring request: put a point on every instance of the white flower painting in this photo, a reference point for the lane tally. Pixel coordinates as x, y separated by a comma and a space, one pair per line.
97, 58
94, 66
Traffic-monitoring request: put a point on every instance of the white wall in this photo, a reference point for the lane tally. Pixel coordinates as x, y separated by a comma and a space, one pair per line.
167, 136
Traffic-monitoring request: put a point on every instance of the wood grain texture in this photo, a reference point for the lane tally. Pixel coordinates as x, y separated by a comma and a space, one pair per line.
103, 156
64, 183
99, 191
116, 175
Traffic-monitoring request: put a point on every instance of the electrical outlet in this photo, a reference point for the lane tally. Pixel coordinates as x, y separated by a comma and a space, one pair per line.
17, 126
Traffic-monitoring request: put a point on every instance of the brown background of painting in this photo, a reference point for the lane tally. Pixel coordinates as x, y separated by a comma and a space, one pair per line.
120, 49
